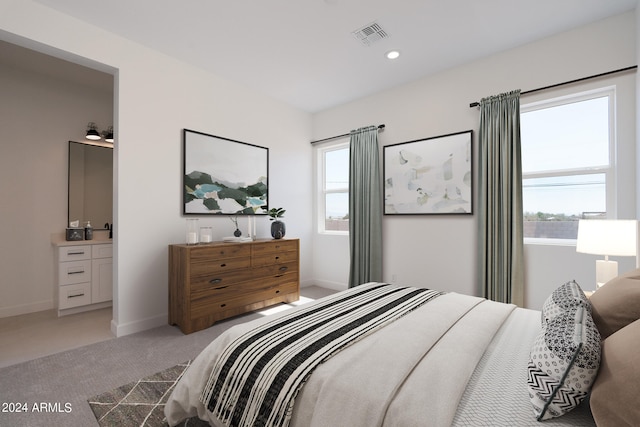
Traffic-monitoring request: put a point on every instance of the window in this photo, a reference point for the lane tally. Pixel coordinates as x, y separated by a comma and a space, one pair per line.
333, 175
567, 147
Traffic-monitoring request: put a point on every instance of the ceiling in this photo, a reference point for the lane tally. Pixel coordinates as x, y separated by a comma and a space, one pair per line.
29, 60
303, 52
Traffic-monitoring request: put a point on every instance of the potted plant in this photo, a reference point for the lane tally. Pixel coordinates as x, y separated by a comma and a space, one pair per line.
277, 226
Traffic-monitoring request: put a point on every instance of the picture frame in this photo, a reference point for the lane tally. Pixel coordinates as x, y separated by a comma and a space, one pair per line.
429, 176
222, 176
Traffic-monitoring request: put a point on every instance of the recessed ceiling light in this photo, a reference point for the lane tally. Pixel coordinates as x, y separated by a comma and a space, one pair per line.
392, 54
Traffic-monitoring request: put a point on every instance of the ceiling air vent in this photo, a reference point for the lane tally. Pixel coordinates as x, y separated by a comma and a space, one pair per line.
370, 34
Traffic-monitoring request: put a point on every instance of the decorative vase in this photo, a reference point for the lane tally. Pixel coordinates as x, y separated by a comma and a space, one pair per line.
277, 229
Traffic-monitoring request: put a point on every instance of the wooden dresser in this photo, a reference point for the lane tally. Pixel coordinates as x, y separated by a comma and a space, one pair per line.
214, 281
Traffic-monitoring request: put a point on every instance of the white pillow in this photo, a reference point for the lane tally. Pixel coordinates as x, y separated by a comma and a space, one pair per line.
563, 298
564, 363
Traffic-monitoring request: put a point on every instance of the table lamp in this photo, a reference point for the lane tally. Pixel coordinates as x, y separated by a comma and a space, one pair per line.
608, 237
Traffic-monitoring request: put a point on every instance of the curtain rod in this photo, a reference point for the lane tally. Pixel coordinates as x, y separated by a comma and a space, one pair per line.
380, 128
621, 70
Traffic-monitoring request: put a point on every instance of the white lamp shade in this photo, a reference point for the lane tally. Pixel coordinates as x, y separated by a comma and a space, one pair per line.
607, 237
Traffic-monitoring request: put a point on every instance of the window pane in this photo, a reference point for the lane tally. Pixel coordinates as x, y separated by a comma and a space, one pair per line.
568, 136
337, 212
553, 205
337, 169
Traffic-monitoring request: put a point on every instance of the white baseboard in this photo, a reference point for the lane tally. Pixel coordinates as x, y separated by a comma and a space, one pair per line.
336, 286
120, 330
307, 283
84, 308
33, 307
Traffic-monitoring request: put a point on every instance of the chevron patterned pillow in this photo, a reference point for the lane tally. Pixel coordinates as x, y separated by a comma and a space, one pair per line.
563, 364
563, 298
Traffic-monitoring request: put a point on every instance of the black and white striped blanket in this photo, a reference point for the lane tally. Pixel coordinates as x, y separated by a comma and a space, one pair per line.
257, 377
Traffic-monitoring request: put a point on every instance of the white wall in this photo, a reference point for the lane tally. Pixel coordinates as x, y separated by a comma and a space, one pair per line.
156, 97
39, 114
637, 182
440, 251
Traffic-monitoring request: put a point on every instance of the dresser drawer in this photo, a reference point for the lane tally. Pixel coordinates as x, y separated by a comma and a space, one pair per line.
274, 258
218, 266
280, 279
74, 253
207, 253
236, 296
234, 289
219, 279
74, 272
74, 295
275, 246
275, 270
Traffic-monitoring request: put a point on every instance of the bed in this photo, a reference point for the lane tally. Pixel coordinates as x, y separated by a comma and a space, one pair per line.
451, 359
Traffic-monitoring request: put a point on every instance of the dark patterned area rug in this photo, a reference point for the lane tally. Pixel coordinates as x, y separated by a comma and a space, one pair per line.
140, 403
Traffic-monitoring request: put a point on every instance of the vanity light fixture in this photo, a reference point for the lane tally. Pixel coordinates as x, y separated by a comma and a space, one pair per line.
108, 134
92, 132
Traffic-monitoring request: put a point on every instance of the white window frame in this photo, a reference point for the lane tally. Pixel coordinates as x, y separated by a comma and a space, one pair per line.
607, 170
321, 198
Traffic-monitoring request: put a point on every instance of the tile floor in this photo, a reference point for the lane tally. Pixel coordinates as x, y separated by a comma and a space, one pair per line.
30, 336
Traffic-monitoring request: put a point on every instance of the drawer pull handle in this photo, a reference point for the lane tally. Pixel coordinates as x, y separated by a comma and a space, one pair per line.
223, 265
223, 305
220, 287
278, 291
75, 253
75, 272
215, 281
277, 257
283, 268
75, 296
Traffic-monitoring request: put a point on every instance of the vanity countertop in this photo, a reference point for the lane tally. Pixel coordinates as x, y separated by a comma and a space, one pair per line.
100, 237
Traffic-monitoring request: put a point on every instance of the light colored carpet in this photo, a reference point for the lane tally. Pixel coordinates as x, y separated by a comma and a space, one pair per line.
53, 390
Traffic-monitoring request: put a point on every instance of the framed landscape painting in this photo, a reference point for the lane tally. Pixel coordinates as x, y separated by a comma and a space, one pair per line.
222, 176
429, 176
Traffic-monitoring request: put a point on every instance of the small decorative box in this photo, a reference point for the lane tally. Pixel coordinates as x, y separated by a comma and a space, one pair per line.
75, 234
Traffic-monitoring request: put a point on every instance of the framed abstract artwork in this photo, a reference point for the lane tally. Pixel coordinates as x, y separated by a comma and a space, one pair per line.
222, 176
429, 176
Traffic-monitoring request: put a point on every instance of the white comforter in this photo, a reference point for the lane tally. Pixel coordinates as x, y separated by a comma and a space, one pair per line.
413, 372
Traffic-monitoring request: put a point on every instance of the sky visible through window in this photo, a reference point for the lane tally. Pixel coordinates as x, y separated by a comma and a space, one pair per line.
565, 140
337, 177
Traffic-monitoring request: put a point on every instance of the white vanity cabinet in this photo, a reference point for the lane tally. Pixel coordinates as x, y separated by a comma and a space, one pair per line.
101, 273
85, 277
74, 276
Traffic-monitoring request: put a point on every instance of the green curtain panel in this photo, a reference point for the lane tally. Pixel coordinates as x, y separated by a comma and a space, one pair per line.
501, 229
365, 207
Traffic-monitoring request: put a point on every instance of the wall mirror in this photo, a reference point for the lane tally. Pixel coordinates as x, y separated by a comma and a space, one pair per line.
90, 184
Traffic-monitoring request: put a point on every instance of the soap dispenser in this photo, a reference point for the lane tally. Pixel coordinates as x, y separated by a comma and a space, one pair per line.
88, 231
